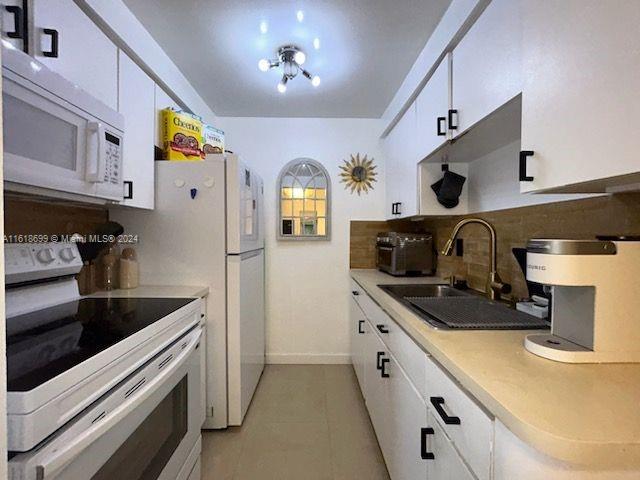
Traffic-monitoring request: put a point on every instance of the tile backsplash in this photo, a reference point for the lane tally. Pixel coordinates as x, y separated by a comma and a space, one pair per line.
617, 214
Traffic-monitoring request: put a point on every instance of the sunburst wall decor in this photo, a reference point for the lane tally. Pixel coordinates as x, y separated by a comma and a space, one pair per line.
358, 174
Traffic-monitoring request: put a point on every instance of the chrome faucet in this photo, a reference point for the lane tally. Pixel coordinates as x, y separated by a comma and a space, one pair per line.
495, 286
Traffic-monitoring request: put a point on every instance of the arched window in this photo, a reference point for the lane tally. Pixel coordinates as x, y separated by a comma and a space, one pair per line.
304, 201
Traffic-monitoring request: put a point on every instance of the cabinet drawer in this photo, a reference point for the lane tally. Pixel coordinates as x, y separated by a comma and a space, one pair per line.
409, 355
446, 464
465, 423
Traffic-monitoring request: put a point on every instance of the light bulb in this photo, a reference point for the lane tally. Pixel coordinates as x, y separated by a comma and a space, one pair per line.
300, 57
264, 64
316, 43
300, 15
315, 81
282, 87
264, 27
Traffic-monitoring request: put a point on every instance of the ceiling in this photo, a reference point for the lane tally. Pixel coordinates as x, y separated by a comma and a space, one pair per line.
366, 49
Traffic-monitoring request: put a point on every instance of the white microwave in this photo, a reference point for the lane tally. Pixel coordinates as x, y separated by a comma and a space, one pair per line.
59, 141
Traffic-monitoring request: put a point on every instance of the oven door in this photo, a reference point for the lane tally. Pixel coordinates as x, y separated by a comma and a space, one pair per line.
147, 428
385, 258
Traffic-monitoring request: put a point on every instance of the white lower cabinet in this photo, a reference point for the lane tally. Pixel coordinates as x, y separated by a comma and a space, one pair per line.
413, 442
358, 325
446, 463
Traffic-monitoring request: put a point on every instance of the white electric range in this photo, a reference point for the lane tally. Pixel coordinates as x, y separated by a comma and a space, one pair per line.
98, 388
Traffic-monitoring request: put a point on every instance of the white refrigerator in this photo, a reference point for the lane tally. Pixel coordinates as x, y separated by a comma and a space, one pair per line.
208, 229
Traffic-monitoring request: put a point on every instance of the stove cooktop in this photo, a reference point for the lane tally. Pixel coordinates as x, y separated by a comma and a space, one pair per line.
43, 344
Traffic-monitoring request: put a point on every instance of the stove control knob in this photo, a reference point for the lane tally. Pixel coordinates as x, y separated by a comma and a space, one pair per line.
45, 255
67, 254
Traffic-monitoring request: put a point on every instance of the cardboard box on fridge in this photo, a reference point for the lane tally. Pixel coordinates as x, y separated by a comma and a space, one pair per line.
212, 139
181, 135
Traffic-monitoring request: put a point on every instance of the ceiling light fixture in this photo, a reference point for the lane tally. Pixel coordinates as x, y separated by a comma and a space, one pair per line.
316, 43
264, 27
300, 15
290, 60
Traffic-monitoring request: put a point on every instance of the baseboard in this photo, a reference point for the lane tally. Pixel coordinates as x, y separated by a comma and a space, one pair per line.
308, 358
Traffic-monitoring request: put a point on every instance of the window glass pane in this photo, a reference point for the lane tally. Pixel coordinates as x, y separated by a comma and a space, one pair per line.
296, 226
298, 207
309, 192
287, 226
321, 208
320, 181
322, 226
286, 192
287, 208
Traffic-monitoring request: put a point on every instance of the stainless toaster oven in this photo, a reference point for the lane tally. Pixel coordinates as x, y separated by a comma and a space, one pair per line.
405, 254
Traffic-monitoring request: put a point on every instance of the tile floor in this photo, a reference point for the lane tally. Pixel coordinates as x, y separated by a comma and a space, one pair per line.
305, 422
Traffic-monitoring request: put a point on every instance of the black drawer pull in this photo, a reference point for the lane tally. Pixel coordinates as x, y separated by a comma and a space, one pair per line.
53, 53
453, 112
437, 403
382, 329
355, 292
424, 454
440, 127
129, 185
360, 325
383, 371
523, 177
378, 360
18, 22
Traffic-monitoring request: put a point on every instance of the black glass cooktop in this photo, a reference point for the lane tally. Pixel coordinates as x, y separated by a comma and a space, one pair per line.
43, 344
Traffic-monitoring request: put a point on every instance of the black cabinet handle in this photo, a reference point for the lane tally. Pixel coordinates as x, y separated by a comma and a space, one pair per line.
394, 208
437, 403
439, 121
53, 53
129, 185
523, 166
453, 126
382, 329
360, 325
424, 454
397, 208
18, 22
355, 292
379, 360
383, 372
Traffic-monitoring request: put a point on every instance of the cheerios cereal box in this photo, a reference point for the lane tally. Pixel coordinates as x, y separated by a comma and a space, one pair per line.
212, 140
182, 135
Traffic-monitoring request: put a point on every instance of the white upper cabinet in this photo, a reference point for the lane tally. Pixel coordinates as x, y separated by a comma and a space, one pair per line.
432, 109
15, 23
136, 101
402, 167
580, 99
487, 64
68, 42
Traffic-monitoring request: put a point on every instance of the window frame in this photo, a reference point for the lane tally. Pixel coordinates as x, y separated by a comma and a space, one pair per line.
284, 171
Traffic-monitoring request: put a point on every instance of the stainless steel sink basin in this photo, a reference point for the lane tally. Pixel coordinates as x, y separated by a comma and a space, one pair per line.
447, 308
422, 290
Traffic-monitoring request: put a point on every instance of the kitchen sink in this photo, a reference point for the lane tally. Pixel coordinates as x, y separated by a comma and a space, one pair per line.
447, 308
422, 290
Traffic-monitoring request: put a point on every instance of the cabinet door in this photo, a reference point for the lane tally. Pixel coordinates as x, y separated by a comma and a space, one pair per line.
446, 464
162, 101
376, 390
432, 107
136, 103
402, 168
487, 64
15, 24
407, 413
84, 54
358, 326
581, 65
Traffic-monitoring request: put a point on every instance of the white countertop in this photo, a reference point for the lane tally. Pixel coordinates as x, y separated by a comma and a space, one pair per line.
167, 291
581, 413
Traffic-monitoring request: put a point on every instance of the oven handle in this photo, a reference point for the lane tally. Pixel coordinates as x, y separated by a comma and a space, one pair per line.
67, 453
96, 159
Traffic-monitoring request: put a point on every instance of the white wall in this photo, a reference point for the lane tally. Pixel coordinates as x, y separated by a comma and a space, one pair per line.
493, 183
307, 303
